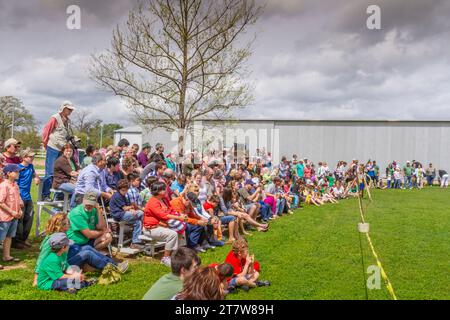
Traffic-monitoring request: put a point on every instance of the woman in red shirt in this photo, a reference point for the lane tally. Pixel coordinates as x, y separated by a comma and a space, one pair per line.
157, 214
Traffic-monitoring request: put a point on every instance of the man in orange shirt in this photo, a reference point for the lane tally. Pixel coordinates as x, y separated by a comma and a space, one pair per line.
195, 231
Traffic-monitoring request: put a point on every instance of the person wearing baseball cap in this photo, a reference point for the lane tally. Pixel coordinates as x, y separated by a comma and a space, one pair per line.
26, 176
54, 272
55, 135
87, 224
11, 151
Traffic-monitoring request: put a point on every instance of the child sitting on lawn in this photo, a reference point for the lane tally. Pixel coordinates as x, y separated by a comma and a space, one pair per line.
54, 272
10, 209
58, 223
224, 271
246, 268
123, 210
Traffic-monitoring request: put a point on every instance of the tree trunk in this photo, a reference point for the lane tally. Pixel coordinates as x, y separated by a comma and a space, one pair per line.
181, 141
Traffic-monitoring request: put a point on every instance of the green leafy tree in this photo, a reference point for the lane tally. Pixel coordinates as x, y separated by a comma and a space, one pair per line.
14, 113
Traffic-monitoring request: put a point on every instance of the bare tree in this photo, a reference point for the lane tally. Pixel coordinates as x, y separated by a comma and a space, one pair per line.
177, 61
12, 111
82, 121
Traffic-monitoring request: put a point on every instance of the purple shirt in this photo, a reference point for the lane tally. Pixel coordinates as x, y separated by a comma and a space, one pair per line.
143, 159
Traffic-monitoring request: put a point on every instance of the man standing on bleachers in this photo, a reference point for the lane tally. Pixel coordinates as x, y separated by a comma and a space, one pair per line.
55, 136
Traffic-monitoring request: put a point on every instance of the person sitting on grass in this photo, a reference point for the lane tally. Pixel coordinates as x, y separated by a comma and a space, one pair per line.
10, 209
122, 210
54, 272
204, 284
246, 268
59, 223
212, 207
224, 271
184, 262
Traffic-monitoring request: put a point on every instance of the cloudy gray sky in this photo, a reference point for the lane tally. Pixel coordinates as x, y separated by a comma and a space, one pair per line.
313, 59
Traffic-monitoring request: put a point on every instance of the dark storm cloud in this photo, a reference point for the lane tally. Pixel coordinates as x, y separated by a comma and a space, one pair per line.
22, 13
313, 59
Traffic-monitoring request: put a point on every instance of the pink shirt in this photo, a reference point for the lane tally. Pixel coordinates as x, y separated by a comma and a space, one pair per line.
10, 196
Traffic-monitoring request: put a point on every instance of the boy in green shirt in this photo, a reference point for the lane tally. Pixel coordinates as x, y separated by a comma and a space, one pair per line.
54, 272
184, 261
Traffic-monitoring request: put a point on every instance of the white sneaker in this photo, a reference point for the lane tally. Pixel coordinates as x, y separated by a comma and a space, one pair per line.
166, 261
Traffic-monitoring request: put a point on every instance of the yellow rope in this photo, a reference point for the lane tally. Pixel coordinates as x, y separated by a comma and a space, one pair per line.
388, 284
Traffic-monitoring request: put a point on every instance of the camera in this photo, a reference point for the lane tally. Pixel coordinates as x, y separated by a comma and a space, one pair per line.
73, 142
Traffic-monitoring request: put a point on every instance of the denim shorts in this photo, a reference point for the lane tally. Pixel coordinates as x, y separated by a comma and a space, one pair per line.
227, 219
233, 282
8, 229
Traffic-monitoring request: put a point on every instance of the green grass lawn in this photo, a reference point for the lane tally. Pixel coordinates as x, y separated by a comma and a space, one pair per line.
313, 254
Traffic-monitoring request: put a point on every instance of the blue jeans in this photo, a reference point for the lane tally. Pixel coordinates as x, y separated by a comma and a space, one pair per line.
194, 235
67, 187
50, 159
79, 255
281, 203
227, 219
63, 284
295, 202
388, 184
266, 211
430, 180
408, 184
397, 184
137, 226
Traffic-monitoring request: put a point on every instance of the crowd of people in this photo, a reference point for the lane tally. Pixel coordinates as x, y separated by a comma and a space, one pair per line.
192, 206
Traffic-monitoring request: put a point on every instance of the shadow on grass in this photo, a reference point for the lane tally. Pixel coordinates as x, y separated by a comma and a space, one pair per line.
8, 282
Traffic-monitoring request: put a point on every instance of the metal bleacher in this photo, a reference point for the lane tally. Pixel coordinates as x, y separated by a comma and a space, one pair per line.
124, 229
50, 207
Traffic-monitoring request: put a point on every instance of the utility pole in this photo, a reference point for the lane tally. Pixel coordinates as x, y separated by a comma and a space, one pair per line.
101, 135
12, 122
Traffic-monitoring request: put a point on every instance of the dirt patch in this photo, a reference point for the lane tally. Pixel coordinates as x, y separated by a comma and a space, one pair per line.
14, 267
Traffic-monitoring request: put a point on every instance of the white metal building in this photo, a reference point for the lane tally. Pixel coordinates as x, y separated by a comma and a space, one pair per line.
384, 141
